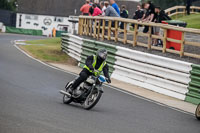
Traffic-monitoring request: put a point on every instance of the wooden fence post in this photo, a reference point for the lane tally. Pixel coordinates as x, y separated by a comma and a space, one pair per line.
87, 28
125, 32
98, 32
164, 41
94, 28
91, 21
192, 10
81, 26
103, 29
182, 44
149, 37
184, 12
116, 31
135, 34
109, 29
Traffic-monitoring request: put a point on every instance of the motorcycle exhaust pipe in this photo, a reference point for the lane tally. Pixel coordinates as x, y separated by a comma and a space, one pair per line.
65, 93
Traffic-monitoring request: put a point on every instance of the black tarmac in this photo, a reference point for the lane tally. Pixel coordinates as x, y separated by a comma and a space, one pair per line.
30, 102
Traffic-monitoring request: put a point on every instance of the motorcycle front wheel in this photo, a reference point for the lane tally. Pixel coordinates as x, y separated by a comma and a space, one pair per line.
197, 113
92, 99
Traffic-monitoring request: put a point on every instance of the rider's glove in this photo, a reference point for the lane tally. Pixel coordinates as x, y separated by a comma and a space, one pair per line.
108, 80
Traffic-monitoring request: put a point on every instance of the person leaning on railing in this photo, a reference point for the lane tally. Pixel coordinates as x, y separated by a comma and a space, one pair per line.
149, 15
139, 13
103, 8
96, 10
110, 12
160, 16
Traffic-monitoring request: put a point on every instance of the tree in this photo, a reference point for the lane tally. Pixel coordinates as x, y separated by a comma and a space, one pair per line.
4, 4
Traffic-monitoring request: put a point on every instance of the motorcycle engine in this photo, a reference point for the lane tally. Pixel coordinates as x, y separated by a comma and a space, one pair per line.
79, 90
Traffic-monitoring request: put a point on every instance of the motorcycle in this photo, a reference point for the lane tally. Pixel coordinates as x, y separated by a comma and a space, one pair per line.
197, 113
87, 93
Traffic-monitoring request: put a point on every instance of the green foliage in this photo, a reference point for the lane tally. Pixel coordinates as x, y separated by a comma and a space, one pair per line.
4, 4
48, 50
192, 20
164, 4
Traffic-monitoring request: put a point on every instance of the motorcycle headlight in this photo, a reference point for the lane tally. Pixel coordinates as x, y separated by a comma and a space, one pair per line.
102, 78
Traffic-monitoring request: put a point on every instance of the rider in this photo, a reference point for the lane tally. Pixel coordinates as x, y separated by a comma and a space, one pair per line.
93, 62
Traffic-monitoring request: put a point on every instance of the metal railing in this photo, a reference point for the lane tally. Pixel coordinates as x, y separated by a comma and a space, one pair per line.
103, 27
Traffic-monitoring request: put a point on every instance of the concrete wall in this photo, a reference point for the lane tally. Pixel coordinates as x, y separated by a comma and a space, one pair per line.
43, 22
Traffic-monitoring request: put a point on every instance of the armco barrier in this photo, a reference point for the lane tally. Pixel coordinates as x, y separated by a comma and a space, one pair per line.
160, 74
193, 95
72, 45
153, 72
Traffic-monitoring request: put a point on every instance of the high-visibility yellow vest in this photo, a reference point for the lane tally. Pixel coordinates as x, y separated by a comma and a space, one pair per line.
100, 69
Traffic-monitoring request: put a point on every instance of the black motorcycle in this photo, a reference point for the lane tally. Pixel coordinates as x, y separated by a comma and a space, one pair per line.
87, 93
197, 113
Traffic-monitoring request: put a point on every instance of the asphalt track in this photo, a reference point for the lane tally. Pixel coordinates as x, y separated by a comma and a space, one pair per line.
30, 103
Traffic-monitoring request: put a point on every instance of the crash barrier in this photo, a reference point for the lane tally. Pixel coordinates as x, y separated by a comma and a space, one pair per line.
58, 33
193, 95
176, 10
1, 26
160, 74
23, 31
72, 45
79, 49
102, 27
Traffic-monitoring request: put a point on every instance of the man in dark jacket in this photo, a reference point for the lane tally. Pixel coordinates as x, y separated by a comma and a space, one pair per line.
149, 15
138, 13
160, 16
123, 14
93, 62
188, 4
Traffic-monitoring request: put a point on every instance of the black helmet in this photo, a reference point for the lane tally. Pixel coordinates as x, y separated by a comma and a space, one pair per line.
102, 54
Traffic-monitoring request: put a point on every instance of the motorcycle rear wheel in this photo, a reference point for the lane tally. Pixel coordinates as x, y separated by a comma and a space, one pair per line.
92, 99
197, 113
67, 99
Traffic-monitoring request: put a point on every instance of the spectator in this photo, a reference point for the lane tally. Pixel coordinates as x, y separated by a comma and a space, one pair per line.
115, 6
96, 2
138, 13
149, 15
103, 8
188, 4
85, 8
123, 14
160, 16
96, 11
110, 11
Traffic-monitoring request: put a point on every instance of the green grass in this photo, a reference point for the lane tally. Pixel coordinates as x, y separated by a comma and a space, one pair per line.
193, 20
48, 50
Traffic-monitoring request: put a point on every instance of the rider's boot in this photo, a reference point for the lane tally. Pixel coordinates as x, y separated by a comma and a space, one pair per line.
70, 90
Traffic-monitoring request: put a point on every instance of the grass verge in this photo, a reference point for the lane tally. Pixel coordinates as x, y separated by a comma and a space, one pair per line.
192, 20
48, 50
